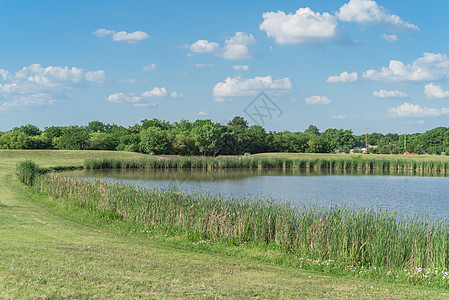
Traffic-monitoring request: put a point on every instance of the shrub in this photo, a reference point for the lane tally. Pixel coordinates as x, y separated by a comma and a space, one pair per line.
27, 171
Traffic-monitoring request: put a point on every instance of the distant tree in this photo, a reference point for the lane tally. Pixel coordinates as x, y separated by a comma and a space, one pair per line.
129, 142
155, 123
30, 130
15, 139
238, 121
256, 140
317, 145
73, 138
155, 140
206, 137
312, 130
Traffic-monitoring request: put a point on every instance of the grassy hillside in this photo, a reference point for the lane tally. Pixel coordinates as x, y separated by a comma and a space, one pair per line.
50, 249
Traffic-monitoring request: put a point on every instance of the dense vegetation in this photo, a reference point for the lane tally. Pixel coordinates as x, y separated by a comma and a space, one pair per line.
333, 238
204, 137
369, 163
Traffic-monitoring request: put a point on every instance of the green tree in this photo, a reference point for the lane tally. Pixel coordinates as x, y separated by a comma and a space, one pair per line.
73, 138
155, 140
206, 137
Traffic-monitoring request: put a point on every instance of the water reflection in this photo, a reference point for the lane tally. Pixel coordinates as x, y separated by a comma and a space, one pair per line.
404, 192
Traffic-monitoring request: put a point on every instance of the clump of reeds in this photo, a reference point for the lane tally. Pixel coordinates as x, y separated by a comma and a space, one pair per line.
340, 162
353, 236
27, 171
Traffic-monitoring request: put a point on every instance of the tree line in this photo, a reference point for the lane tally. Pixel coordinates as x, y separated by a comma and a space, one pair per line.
204, 137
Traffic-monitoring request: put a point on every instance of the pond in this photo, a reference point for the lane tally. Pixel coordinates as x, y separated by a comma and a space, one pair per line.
428, 195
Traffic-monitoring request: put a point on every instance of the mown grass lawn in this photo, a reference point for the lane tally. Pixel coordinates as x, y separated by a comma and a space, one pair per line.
48, 250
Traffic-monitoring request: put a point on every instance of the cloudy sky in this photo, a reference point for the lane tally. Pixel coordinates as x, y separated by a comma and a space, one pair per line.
352, 64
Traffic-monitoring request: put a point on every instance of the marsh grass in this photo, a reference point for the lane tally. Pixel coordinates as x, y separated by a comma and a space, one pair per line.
362, 237
420, 165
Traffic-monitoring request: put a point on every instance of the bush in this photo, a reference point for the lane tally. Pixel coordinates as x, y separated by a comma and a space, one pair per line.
27, 171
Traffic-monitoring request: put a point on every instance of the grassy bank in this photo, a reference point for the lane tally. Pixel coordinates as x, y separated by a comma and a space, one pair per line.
349, 238
391, 163
54, 248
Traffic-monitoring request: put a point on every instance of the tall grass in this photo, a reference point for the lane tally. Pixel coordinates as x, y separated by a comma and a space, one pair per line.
358, 237
337, 162
27, 171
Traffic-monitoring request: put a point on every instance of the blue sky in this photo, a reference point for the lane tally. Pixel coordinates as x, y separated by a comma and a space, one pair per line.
353, 64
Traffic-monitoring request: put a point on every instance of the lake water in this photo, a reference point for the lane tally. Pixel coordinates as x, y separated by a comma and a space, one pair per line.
406, 194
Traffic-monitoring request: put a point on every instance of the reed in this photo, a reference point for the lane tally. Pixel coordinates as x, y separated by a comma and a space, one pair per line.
329, 162
352, 236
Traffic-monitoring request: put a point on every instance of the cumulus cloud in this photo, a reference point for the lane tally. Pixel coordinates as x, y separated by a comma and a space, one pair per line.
241, 67
389, 94
433, 91
368, 12
150, 67
204, 46
303, 27
122, 36
431, 66
238, 86
4, 74
37, 85
339, 117
156, 92
235, 47
344, 77
123, 97
203, 113
389, 37
95, 76
318, 100
407, 110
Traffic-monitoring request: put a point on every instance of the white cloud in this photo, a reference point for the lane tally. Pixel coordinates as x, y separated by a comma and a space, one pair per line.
305, 26
150, 67
433, 91
344, 77
339, 117
122, 97
204, 46
389, 94
203, 113
156, 92
368, 12
50, 76
203, 65
37, 85
407, 110
238, 86
390, 37
95, 76
241, 67
131, 37
430, 66
318, 100
130, 81
235, 48
152, 104
103, 32
4, 74
175, 95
